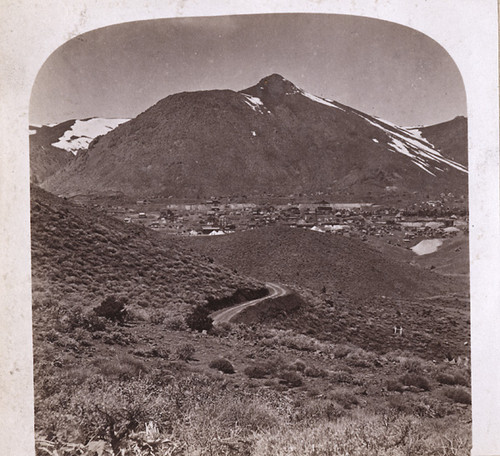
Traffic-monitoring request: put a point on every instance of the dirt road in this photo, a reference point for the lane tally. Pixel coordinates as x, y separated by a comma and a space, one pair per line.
225, 315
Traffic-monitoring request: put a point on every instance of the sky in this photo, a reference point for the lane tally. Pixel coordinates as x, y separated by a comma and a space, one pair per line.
381, 68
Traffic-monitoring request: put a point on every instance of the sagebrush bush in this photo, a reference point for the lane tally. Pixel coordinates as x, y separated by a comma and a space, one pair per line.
123, 367
291, 378
257, 371
452, 379
344, 398
222, 365
314, 372
416, 380
413, 365
185, 352
175, 323
458, 394
298, 365
395, 385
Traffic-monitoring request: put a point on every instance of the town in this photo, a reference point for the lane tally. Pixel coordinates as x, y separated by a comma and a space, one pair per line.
400, 226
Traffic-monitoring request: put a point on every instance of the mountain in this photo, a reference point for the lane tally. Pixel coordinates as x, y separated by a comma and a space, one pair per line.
271, 138
52, 147
449, 137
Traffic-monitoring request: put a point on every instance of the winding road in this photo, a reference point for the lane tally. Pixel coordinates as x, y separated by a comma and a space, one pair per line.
226, 315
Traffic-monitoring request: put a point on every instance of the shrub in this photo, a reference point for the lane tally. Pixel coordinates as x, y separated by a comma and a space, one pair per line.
112, 309
341, 351
123, 367
257, 371
345, 398
395, 385
449, 379
459, 395
185, 352
175, 323
412, 365
222, 365
199, 319
222, 330
415, 380
314, 372
291, 378
298, 365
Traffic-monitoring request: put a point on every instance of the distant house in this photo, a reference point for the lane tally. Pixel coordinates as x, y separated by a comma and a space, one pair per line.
209, 229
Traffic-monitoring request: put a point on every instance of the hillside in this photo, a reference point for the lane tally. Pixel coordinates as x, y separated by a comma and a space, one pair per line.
271, 138
314, 260
82, 256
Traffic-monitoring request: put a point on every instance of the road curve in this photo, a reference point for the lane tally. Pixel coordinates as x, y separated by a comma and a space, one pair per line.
225, 315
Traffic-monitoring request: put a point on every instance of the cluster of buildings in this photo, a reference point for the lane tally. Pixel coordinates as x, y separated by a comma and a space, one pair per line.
429, 219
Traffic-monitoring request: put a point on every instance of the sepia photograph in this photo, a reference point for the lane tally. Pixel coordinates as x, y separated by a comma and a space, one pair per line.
249, 235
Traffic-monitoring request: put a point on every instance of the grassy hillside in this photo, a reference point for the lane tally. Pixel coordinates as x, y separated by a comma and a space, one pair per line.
318, 261
82, 256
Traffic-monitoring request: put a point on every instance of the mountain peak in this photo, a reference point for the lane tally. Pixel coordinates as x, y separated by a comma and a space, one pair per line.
272, 88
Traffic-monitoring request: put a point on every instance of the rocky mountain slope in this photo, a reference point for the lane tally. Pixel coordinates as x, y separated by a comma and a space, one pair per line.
270, 138
52, 147
45, 159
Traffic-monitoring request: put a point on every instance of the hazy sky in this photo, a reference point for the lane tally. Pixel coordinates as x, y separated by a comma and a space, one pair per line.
375, 66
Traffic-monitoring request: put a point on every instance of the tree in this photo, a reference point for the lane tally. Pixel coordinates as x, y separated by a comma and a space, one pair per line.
199, 319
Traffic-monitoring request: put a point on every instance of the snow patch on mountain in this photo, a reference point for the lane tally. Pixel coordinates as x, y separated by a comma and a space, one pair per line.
417, 132
421, 152
254, 102
82, 132
321, 100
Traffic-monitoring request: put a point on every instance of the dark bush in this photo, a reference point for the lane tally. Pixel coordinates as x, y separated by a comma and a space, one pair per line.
448, 379
298, 365
291, 378
415, 380
112, 309
222, 365
459, 395
199, 319
257, 371
345, 399
314, 372
394, 385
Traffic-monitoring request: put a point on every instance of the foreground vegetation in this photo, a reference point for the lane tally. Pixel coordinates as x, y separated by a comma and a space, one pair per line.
239, 392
